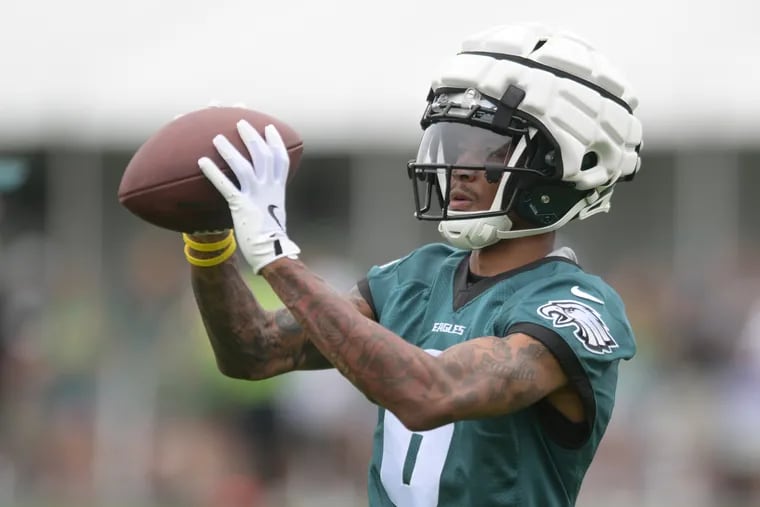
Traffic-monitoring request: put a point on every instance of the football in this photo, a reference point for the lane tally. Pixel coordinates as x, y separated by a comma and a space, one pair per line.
162, 183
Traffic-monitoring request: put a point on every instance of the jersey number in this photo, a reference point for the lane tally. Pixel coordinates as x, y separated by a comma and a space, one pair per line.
412, 463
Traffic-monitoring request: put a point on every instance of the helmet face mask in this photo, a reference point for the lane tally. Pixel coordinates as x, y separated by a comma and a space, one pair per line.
450, 147
518, 108
514, 157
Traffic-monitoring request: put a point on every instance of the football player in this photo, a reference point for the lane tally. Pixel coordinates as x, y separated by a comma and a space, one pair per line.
493, 359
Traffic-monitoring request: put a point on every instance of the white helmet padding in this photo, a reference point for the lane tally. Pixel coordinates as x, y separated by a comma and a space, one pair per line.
568, 91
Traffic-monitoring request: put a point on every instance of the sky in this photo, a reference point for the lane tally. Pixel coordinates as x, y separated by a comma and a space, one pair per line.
104, 72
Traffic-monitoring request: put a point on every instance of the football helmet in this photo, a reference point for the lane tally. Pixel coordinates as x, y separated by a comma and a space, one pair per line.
543, 115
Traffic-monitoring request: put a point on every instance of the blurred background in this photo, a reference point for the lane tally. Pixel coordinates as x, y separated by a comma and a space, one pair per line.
109, 395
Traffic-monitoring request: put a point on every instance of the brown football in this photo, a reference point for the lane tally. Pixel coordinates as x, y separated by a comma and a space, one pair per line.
162, 183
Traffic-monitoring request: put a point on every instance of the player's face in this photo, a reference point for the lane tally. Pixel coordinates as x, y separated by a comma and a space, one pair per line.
458, 154
470, 190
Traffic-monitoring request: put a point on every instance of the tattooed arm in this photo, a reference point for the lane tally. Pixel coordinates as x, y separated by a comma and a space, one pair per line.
479, 378
249, 342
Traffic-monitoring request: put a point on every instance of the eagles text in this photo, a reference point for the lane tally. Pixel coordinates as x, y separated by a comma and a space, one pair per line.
445, 327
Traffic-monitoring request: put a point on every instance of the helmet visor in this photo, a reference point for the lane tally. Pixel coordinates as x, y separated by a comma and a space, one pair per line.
449, 146
464, 146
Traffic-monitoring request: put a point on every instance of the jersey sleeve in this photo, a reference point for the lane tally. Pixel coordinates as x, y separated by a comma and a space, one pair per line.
377, 285
403, 277
582, 322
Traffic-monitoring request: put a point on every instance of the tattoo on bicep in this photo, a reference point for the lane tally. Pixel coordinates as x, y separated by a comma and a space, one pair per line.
531, 374
524, 372
525, 368
497, 373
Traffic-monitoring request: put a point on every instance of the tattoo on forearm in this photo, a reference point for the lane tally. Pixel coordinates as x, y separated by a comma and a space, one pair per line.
481, 377
378, 362
248, 341
477, 377
286, 323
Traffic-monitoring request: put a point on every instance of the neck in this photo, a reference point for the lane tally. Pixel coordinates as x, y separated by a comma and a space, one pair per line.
509, 254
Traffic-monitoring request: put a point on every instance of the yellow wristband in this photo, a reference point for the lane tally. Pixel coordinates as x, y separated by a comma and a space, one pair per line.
212, 261
209, 247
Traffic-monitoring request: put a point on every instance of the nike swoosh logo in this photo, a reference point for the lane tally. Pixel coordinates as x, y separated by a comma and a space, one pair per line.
271, 209
576, 291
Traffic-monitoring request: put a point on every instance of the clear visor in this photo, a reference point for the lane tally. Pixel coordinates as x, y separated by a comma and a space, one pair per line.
448, 146
464, 146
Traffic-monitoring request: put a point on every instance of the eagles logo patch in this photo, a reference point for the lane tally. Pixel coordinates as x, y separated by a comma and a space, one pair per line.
590, 329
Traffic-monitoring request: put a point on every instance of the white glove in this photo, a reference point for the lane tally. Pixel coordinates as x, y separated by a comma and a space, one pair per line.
258, 208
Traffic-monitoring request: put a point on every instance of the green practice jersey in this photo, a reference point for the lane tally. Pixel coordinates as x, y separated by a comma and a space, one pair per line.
532, 457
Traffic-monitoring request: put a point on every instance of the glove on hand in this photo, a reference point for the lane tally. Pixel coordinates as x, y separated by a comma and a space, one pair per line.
258, 207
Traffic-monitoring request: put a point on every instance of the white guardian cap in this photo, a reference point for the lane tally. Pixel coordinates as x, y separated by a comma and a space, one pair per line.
557, 118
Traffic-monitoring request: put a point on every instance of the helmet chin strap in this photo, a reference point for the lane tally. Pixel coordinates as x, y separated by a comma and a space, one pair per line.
474, 233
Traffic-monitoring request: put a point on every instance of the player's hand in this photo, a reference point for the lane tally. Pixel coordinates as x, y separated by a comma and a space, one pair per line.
258, 207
